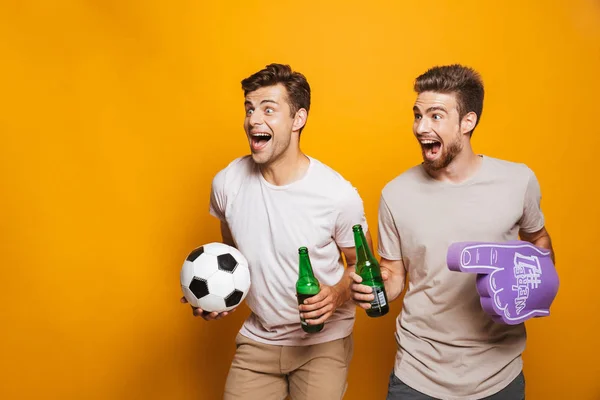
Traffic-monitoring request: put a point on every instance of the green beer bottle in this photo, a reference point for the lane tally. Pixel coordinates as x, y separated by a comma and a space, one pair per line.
306, 286
368, 269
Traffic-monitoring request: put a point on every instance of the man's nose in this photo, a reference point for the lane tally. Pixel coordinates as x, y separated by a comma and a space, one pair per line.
255, 118
423, 126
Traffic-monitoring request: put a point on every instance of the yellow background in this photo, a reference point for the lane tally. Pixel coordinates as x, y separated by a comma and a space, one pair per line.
115, 115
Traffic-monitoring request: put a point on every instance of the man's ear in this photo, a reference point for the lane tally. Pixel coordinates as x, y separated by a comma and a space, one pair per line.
468, 122
299, 119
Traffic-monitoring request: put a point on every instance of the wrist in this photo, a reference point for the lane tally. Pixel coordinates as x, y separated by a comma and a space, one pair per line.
341, 292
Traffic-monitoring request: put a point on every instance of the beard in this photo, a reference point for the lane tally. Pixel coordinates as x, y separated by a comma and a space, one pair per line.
449, 152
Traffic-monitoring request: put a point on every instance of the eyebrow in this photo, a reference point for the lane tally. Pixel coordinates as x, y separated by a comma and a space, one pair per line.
430, 109
262, 102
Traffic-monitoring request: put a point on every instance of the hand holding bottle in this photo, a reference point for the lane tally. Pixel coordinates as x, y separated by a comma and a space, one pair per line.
362, 295
367, 268
307, 286
318, 308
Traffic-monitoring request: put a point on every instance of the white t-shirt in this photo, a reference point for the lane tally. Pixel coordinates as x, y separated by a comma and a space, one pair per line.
269, 223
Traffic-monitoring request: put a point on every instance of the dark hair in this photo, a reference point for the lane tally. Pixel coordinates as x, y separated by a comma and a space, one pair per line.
296, 85
462, 81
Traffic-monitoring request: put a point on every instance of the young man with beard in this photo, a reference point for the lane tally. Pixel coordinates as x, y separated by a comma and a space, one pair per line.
270, 204
448, 347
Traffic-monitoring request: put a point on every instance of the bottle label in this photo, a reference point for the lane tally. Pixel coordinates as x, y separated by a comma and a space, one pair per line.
379, 300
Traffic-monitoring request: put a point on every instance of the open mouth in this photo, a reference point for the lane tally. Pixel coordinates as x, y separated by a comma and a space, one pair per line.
258, 141
431, 148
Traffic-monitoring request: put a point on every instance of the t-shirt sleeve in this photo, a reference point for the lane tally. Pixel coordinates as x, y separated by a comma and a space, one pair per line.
532, 219
218, 198
351, 212
388, 236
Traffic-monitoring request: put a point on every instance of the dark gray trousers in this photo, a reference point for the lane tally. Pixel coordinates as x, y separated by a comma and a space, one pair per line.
398, 390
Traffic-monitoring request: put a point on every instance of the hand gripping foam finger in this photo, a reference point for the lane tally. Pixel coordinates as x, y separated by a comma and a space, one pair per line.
515, 280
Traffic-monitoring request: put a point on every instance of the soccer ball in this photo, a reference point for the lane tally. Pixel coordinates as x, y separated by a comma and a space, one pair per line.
215, 277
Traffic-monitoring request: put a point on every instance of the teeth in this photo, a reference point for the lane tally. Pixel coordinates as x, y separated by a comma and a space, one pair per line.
428, 141
261, 135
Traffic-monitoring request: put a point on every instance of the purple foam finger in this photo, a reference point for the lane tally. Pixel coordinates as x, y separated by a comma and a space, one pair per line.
474, 257
483, 285
453, 256
516, 280
488, 305
485, 258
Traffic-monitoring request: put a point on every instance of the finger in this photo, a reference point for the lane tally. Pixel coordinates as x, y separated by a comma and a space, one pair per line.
221, 315
363, 297
316, 306
183, 299
320, 320
385, 275
355, 277
476, 257
210, 316
317, 313
364, 306
198, 312
317, 297
485, 257
357, 288
225, 313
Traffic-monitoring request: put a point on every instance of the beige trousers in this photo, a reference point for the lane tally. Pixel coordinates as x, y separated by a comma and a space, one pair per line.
267, 372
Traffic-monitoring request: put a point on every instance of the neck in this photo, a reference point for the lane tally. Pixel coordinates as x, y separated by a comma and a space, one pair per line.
462, 167
286, 169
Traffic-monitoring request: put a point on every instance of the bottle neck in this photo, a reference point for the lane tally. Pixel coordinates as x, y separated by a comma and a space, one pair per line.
305, 270
363, 253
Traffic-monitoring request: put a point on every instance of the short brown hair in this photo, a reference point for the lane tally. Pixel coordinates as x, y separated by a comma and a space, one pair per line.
462, 81
296, 85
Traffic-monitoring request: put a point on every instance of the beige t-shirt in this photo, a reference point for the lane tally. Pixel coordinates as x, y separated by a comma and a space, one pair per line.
269, 223
448, 347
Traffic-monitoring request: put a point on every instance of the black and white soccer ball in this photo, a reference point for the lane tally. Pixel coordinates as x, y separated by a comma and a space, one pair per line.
215, 277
